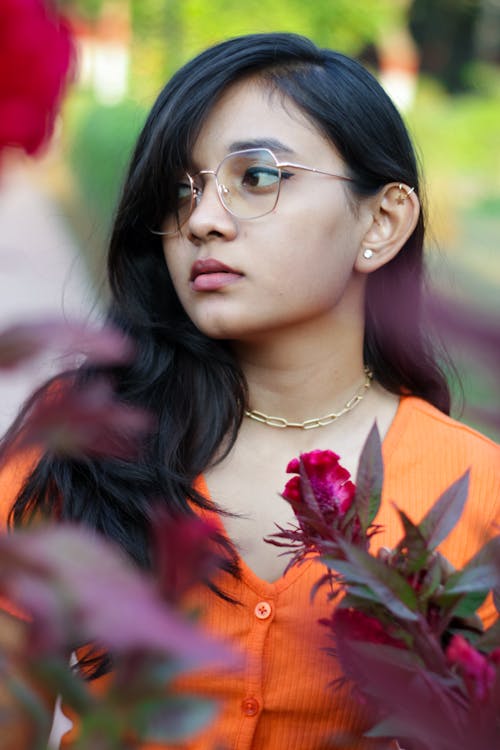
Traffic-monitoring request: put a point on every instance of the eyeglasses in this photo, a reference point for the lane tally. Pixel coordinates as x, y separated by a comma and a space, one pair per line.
248, 186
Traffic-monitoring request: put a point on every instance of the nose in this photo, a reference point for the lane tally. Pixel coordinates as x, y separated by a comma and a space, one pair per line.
209, 217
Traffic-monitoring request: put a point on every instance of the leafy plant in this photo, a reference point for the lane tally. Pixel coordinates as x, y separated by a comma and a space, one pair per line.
77, 589
405, 625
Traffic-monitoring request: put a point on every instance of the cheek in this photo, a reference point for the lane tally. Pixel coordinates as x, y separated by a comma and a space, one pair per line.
312, 255
177, 264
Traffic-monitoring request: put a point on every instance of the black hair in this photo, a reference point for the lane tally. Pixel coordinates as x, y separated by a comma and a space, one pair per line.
192, 383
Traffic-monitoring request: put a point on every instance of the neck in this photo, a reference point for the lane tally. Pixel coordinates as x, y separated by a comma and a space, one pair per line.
300, 377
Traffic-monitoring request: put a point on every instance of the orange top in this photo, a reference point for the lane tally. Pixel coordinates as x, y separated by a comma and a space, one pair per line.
281, 698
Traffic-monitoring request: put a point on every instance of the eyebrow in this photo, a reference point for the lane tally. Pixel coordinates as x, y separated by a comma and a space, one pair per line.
271, 143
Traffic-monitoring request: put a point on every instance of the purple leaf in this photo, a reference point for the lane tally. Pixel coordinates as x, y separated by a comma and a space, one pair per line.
369, 479
103, 597
21, 343
469, 604
481, 573
184, 553
85, 420
393, 590
413, 543
468, 580
446, 511
412, 698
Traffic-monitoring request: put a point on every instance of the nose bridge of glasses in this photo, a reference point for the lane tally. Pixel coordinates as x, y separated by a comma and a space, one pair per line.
222, 189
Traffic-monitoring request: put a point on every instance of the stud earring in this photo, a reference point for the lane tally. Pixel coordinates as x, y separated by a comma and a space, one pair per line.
367, 253
403, 194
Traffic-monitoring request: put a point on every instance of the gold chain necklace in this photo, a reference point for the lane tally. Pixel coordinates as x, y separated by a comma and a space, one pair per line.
310, 424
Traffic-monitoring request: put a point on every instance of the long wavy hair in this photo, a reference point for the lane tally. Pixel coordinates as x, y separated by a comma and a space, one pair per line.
192, 383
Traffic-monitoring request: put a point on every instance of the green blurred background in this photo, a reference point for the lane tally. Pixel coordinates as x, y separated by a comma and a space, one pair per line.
440, 59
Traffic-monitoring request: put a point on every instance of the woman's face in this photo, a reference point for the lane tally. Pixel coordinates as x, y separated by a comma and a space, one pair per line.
294, 265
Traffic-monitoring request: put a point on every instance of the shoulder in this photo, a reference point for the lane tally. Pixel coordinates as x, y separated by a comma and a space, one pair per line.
420, 425
425, 451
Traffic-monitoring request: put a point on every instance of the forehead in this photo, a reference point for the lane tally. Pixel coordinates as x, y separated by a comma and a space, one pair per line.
251, 114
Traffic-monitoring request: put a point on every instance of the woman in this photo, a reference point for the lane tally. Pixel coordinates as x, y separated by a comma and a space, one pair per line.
267, 260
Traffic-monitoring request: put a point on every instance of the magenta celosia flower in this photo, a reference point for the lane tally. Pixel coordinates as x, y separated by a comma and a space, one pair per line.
477, 670
322, 497
37, 54
330, 483
88, 420
78, 588
185, 553
21, 343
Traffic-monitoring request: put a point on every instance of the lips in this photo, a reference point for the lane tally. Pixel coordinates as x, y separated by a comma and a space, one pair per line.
209, 265
208, 274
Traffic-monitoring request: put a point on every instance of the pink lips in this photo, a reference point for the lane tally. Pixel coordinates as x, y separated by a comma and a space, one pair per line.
208, 274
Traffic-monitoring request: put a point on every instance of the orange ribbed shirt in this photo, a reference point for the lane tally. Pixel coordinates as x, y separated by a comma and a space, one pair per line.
281, 698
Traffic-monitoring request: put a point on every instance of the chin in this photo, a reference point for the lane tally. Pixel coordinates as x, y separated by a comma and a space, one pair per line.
219, 331
227, 330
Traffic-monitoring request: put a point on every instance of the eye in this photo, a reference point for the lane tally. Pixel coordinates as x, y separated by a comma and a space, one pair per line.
183, 191
260, 177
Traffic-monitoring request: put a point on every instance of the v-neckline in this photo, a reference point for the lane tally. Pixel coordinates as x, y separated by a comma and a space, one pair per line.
263, 588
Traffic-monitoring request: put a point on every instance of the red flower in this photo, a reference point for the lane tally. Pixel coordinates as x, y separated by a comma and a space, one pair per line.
322, 498
185, 553
23, 342
477, 671
88, 420
358, 626
330, 482
79, 588
37, 54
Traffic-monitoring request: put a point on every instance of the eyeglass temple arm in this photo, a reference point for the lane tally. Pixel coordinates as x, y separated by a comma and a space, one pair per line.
281, 165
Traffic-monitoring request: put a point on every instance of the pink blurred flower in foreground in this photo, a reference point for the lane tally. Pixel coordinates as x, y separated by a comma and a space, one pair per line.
78, 588
21, 343
476, 668
185, 553
78, 592
88, 420
35, 64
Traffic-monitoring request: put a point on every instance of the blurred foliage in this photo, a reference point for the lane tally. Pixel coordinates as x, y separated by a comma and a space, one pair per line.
168, 32
461, 133
337, 23
101, 147
445, 32
89, 9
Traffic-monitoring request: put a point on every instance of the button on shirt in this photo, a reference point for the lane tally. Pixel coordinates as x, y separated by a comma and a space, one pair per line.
264, 626
263, 610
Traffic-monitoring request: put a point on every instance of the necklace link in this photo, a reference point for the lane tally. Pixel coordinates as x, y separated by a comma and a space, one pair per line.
310, 424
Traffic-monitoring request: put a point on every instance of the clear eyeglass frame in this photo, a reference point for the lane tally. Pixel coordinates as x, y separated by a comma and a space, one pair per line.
251, 203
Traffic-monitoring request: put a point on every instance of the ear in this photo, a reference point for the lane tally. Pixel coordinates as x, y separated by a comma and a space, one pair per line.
394, 215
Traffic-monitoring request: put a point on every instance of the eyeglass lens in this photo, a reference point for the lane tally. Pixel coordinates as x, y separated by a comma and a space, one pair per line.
248, 184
